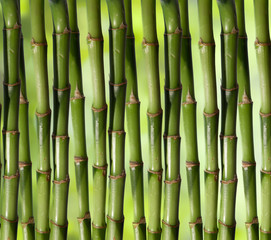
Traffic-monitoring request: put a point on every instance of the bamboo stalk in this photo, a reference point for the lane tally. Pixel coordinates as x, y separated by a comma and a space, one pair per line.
173, 91
133, 126
211, 117
99, 111
246, 126
154, 115
190, 126
229, 91
61, 39
262, 45
117, 85
11, 39
78, 122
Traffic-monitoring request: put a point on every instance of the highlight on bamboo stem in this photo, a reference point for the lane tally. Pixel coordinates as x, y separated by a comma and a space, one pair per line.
11, 90
173, 91
133, 128
190, 126
116, 133
262, 45
61, 96
77, 101
211, 117
228, 139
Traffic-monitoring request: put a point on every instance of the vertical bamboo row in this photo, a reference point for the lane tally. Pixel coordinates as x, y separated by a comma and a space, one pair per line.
117, 87
61, 40
78, 122
229, 92
154, 114
99, 112
173, 91
11, 39
133, 125
246, 126
190, 126
211, 117
262, 45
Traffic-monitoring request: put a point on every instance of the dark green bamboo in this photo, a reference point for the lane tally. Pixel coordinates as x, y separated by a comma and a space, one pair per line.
117, 85
211, 117
173, 91
229, 92
25, 164
11, 40
99, 111
61, 40
154, 114
133, 126
262, 45
246, 126
78, 122
190, 126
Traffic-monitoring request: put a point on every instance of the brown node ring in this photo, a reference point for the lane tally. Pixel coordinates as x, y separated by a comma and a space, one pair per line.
145, 43
17, 175
14, 132
173, 89
90, 38
42, 232
67, 180
177, 180
266, 172
35, 44
234, 180
134, 101
115, 221
44, 172
159, 173
169, 225
234, 31
119, 132
10, 221
104, 168
57, 225
121, 27
87, 216
259, 44
66, 31
59, 136
98, 227
80, 159
62, 89
155, 114
210, 232
30, 221
203, 44
229, 137
135, 164
141, 221
254, 221
175, 137
43, 114
130, 37
99, 109
12, 84
266, 232
154, 232
193, 224
225, 225
118, 84
229, 89
16, 26
122, 175
211, 114
186, 37
264, 115
248, 164
76, 32
24, 164
192, 164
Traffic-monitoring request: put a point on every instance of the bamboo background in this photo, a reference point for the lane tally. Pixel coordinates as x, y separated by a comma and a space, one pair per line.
142, 86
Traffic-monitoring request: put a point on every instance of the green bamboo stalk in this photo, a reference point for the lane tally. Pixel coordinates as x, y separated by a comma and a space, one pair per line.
154, 114
229, 91
117, 40
99, 111
61, 39
25, 164
263, 59
246, 126
211, 117
43, 118
133, 125
190, 126
173, 93
78, 123
11, 39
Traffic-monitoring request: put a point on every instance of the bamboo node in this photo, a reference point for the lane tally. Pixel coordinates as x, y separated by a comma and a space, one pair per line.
90, 38
154, 232
14, 132
242, 37
192, 164
254, 221
98, 227
42, 232
173, 89
215, 173
145, 43
119, 132
229, 137
189, 99
80, 159
155, 114
99, 109
169, 225
16, 26
130, 37
159, 173
135, 164
209, 115
62, 89
60, 226
234, 31
104, 168
248, 164
177, 180
44, 172
225, 225
30, 221
23, 100
141, 221
87, 216
234, 180
266, 172
122, 26
177, 31
175, 137
12, 84
230, 89
197, 222
63, 137
77, 95
116, 221
67, 180
266, 232
10, 221
260, 44
186, 37
74, 32
118, 84
122, 175
24, 164
35, 44
203, 44
66, 31
264, 115
43, 114
210, 232
17, 175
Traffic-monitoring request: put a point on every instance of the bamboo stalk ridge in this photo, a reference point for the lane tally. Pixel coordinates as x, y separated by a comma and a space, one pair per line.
9, 196
77, 101
99, 112
190, 126
133, 128
262, 45
116, 133
154, 115
211, 117
25, 164
228, 139
246, 126
61, 40
173, 91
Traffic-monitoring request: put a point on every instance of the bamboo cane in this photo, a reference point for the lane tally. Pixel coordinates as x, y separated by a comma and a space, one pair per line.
190, 126
172, 139
11, 39
154, 114
61, 38
99, 111
262, 45
78, 123
211, 117
117, 40
229, 91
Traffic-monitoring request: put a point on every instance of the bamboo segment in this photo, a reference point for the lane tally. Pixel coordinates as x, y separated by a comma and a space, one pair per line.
116, 133
78, 122
11, 40
262, 45
246, 126
190, 126
172, 118
61, 40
